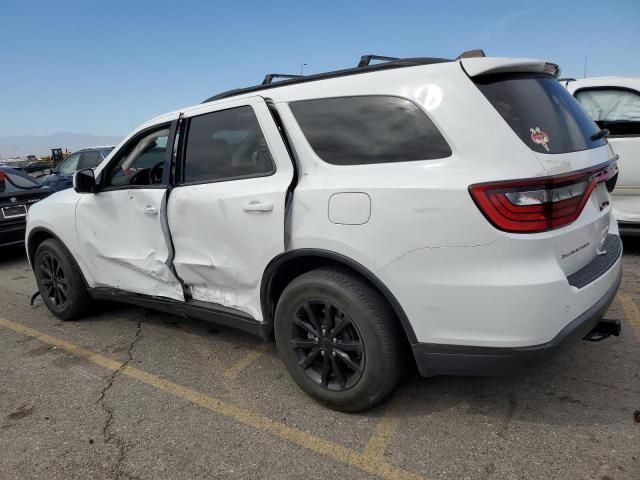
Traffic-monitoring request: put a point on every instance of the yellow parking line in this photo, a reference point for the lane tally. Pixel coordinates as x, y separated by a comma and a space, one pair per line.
246, 417
385, 431
631, 312
234, 370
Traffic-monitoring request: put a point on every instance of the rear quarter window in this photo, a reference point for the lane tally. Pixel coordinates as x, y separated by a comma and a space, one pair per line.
529, 102
369, 130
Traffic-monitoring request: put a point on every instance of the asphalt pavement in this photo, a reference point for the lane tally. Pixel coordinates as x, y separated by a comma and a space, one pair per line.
131, 393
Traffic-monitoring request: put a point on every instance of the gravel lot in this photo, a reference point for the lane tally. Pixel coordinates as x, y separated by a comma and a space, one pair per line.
132, 393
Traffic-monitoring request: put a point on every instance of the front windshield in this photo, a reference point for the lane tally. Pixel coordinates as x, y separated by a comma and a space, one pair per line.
70, 164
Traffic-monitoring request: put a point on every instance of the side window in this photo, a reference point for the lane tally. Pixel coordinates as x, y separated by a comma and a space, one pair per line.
226, 145
369, 129
616, 109
90, 160
70, 164
140, 162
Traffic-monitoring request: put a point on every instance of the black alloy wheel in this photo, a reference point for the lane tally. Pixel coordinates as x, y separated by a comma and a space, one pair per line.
339, 339
328, 345
60, 281
53, 280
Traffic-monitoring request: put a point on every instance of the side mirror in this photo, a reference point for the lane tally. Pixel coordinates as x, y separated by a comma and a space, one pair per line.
84, 181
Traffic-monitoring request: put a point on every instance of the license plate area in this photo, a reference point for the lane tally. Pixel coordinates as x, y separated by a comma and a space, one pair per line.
14, 211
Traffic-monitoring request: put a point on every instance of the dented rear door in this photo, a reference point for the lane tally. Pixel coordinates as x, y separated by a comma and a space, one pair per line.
226, 212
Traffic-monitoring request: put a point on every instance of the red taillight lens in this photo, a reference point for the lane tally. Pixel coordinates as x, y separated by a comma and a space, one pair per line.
539, 204
2, 176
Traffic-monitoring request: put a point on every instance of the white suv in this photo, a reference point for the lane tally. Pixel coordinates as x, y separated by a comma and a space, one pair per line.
451, 212
614, 104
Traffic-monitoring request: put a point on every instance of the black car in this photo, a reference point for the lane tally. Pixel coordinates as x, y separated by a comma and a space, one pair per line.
18, 191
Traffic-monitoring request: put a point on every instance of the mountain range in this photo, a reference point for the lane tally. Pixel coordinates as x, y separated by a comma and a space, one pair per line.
40, 145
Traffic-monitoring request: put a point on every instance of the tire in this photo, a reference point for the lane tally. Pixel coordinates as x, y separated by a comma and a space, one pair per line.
365, 360
64, 293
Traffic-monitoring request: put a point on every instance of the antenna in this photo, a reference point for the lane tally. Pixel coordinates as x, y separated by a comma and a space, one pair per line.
586, 59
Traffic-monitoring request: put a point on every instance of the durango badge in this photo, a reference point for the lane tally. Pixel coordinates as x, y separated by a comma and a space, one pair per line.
539, 137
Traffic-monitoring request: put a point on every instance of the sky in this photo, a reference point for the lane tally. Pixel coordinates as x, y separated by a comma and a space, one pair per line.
100, 67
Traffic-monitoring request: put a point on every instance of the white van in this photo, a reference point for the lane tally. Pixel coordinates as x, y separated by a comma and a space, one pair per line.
614, 104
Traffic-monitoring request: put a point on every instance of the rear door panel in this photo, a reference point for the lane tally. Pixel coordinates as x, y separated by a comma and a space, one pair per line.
226, 232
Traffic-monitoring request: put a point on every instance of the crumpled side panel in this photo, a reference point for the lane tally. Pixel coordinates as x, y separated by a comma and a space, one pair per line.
124, 247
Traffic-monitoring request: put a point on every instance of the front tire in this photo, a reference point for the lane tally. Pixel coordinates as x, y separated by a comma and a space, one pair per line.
60, 281
339, 339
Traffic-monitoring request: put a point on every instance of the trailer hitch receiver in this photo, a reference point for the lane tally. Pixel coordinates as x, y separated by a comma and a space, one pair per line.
604, 329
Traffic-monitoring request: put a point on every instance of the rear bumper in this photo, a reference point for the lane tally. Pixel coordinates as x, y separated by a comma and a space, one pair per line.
441, 359
12, 232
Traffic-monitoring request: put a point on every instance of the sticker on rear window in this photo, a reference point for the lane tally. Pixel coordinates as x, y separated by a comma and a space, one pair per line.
539, 137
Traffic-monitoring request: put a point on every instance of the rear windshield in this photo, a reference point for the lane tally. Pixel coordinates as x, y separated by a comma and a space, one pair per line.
20, 181
541, 112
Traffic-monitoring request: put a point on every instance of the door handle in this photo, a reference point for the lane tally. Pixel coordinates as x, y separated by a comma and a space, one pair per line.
149, 210
256, 206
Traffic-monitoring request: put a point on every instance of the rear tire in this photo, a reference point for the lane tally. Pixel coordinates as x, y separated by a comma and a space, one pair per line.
60, 281
351, 359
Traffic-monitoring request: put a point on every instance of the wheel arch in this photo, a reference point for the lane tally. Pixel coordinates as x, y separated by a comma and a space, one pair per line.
36, 237
289, 265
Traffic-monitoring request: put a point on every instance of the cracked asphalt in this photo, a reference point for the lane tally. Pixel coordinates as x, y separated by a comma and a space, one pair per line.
135, 394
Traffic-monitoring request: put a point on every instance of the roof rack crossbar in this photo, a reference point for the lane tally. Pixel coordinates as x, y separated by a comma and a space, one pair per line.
268, 79
365, 60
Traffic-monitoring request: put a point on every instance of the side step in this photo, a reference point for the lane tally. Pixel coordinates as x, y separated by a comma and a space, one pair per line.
604, 329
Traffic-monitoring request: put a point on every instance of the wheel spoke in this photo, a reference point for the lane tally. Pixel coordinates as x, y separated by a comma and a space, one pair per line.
50, 290
46, 270
301, 343
347, 361
326, 316
62, 293
341, 323
305, 326
311, 316
338, 373
56, 297
326, 369
62, 281
352, 346
58, 269
306, 362
51, 266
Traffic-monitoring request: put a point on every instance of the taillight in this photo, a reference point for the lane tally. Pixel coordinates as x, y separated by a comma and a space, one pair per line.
539, 204
2, 179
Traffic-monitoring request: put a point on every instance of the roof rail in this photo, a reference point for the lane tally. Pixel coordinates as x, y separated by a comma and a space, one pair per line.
471, 54
567, 80
268, 79
363, 67
365, 60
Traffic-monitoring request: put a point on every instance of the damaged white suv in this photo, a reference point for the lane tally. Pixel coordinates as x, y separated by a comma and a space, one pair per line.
453, 213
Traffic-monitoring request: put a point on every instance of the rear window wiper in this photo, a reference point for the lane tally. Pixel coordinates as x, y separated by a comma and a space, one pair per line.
601, 134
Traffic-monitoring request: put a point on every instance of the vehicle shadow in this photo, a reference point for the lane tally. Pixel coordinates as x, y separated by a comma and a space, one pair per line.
14, 254
631, 244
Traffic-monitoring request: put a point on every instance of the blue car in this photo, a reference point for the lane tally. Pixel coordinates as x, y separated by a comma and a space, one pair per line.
61, 176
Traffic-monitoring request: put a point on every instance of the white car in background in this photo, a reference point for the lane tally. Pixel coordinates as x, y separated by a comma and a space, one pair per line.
614, 104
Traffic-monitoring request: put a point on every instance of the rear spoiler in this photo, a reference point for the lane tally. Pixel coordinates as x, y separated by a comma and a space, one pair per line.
484, 66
